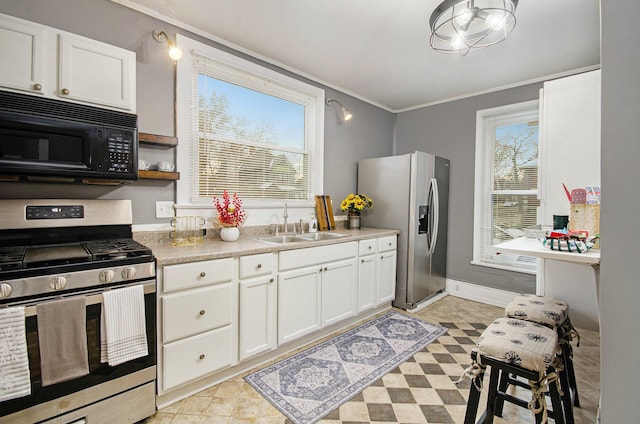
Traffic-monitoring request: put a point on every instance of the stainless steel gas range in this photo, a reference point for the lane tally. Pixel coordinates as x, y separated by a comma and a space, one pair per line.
53, 250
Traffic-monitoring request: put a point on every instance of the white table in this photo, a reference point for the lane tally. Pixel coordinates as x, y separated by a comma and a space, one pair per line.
567, 282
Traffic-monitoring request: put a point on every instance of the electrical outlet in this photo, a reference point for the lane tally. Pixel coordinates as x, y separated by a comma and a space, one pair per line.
165, 210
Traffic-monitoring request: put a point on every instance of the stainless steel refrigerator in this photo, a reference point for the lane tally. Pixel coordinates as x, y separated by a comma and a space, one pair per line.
411, 194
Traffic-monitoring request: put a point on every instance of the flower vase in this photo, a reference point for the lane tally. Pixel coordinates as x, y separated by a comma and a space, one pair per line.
353, 220
229, 233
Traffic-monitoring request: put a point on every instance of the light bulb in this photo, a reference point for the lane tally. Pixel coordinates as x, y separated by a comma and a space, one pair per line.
175, 53
496, 20
347, 115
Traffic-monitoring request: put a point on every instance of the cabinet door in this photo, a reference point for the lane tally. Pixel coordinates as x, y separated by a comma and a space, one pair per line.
366, 282
298, 303
22, 46
95, 72
257, 316
386, 276
338, 291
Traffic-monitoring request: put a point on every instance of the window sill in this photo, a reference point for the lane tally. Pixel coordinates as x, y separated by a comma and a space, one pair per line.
504, 267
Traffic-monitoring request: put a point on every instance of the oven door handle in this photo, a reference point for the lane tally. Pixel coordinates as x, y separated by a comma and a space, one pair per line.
92, 297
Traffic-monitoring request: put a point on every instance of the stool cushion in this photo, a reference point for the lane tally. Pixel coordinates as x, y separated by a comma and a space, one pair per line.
526, 344
541, 309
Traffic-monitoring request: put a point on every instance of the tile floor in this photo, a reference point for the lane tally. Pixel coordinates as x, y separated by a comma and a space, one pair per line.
421, 390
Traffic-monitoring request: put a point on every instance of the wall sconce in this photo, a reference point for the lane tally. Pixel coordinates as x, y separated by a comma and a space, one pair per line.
346, 115
174, 52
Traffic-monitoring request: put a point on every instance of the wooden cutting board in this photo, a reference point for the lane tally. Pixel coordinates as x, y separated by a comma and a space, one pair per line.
324, 213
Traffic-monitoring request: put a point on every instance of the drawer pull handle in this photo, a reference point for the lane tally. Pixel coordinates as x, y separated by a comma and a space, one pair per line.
259, 266
203, 274
202, 312
202, 356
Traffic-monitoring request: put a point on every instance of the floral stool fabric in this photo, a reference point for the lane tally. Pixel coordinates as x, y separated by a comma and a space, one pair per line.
541, 309
525, 344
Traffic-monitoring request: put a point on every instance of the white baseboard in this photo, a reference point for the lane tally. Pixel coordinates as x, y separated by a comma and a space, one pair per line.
481, 294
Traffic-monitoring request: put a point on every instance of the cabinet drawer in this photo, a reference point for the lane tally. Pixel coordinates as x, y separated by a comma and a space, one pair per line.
387, 243
195, 311
366, 247
254, 265
195, 274
299, 258
196, 357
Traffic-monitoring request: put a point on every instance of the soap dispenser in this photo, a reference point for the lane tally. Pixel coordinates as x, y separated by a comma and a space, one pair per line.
313, 224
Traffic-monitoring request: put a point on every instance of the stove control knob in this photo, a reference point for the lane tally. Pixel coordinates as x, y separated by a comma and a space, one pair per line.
5, 290
107, 276
128, 273
58, 283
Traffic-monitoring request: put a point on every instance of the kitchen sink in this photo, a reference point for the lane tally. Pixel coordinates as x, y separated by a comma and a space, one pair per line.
320, 236
280, 239
300, 237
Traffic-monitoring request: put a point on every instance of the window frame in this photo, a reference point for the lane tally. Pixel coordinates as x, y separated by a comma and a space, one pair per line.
485, 123
247, 74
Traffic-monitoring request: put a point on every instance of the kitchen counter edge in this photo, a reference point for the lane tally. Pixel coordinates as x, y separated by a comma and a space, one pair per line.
166, 254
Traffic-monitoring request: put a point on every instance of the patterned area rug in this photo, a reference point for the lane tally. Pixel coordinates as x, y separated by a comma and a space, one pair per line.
307, 386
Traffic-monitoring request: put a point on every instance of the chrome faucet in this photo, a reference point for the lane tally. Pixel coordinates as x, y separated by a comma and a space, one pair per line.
285, 215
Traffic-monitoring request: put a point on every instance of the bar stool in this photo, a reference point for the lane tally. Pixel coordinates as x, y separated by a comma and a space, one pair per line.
521, 348
553, 313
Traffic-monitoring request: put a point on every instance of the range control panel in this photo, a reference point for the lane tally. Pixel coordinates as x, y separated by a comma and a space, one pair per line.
55, 212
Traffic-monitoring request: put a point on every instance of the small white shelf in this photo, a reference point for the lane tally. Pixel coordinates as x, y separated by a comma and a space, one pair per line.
533, 247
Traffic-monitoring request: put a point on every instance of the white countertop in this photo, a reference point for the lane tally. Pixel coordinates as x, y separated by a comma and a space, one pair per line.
533, 247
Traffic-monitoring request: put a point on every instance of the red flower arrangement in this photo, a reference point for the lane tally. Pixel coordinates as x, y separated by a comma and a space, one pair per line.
230, 213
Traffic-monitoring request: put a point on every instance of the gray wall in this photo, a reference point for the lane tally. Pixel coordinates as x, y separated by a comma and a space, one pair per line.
619, 281
368, 134
449, 130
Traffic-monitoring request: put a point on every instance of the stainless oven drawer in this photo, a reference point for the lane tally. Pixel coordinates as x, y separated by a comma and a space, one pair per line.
128, 407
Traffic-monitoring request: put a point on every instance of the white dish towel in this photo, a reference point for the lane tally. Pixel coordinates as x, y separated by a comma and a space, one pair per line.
14, 362
123, 334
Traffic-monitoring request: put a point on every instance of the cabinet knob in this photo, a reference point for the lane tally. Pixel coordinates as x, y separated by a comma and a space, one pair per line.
202, 312
201, 356
203, 274
369, 247
390, 243
65, 91
362, 260
271, 280
326, 269
259, 266
37, 87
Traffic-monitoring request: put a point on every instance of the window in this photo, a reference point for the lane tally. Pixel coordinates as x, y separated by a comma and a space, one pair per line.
506, 190
245, 129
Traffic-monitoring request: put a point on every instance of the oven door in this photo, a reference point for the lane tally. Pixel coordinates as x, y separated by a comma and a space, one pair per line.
50, 401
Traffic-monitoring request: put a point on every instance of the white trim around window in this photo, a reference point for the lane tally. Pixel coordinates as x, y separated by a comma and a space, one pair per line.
242, 72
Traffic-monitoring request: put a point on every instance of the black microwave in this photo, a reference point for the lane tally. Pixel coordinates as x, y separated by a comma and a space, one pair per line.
52, 140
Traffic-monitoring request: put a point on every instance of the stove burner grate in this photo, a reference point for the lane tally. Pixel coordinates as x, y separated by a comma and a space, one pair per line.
115, 249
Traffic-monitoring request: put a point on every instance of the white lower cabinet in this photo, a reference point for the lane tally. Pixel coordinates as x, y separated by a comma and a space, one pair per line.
338, 286
257, 305
298, 303
367, 278
198, 320
386, 276
222, 313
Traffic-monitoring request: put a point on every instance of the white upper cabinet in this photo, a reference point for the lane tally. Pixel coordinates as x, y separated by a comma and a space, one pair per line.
56, 64
22, 47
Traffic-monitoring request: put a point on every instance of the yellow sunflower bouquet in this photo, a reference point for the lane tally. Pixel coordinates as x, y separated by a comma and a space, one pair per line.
356, 203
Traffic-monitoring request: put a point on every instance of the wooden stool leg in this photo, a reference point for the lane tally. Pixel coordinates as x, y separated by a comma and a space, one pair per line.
566, 357
474, 399
491, 398
556, 402
502, 387
567, 403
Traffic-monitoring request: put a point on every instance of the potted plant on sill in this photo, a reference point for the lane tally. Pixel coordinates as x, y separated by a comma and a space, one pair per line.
355, 204
230, 216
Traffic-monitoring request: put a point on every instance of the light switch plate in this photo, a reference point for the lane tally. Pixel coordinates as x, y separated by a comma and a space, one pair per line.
165, 210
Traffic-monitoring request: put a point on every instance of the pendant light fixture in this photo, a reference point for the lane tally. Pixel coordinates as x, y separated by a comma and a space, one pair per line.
462, 26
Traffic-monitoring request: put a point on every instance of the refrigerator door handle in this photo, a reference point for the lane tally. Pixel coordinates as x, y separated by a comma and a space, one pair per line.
434, 211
